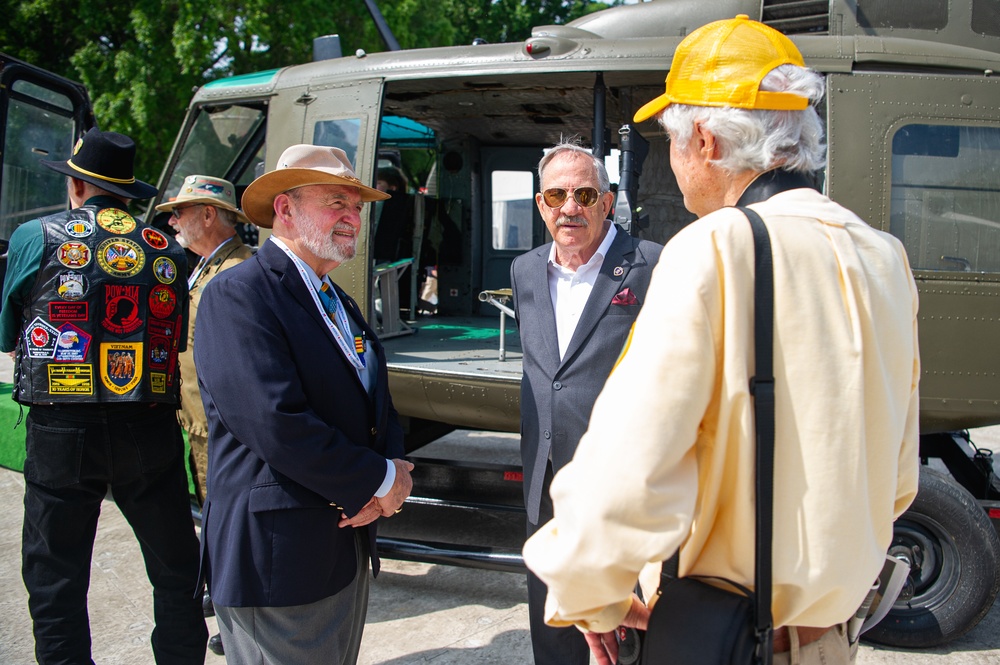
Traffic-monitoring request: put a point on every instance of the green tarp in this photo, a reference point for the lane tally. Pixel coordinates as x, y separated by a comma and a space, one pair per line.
12, 438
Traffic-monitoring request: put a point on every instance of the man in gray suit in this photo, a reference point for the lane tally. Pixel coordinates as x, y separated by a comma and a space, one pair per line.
575, 300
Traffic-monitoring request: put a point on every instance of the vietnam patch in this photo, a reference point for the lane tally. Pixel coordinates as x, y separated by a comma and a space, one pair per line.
165, 270
116, 221
154, 238
73, 344
121, 308
79, 228
71, 379
40, 339
73, 254
72, 286
120, 257
121, 366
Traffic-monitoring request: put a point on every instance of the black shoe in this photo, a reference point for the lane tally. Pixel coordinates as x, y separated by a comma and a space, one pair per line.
215, 645
207, 607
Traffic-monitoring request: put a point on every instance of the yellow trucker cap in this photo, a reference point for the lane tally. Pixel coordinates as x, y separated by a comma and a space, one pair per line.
723, 63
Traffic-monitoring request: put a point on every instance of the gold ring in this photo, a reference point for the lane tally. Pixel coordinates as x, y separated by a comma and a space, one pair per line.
399, 510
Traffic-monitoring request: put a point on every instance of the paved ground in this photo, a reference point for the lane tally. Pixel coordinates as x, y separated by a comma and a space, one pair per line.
418, 614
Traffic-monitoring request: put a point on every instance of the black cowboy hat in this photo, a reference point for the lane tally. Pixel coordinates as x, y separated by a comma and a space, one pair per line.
105, 159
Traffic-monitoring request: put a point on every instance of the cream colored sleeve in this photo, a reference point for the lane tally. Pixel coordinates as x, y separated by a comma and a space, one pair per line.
909, 452
627, 497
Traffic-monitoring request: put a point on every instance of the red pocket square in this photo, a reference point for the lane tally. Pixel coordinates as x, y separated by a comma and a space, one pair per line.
625, 297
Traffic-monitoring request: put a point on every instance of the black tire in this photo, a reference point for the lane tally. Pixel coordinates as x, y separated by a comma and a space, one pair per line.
954, 556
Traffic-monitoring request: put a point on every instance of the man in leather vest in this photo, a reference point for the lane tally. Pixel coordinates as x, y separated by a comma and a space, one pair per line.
95, 311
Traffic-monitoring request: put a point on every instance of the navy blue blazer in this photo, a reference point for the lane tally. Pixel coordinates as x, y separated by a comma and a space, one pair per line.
293, 438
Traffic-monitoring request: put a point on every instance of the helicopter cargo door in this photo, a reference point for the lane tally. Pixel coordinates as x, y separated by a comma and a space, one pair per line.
347, 117
926, 168
510, 223
41, 117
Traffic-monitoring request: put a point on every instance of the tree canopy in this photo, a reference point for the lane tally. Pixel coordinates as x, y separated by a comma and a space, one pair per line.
141, 61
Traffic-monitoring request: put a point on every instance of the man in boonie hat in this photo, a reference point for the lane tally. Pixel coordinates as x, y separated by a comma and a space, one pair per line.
204, 214
78, 311
739, 111
305, 449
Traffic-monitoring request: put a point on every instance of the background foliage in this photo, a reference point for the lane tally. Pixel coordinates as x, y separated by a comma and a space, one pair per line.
142, 60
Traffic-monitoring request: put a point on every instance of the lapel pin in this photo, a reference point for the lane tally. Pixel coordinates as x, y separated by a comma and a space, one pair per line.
619, 271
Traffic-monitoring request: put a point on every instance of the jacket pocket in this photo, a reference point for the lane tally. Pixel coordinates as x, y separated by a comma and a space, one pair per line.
275, 496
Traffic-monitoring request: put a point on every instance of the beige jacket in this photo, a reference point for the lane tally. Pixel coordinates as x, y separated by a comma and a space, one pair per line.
192, 412
667, 461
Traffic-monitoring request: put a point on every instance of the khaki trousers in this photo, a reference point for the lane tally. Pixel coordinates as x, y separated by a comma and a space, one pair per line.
831, 649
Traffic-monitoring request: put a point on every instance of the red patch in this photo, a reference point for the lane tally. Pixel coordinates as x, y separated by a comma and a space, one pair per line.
121, 308
162, 301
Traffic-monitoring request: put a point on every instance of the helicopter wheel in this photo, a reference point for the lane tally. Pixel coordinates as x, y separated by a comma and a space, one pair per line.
954, 555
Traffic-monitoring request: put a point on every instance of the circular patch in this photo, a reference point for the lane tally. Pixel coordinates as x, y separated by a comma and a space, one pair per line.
162, 301
72, 286
116, 221
154, 238
120, 257
79, 228
74, 254
165, 270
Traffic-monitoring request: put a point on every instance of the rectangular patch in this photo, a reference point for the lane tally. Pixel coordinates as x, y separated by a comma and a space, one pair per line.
68, 311
158, 382
71, 379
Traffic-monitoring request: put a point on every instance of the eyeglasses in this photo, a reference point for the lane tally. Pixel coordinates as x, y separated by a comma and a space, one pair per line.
176, 212
555, 197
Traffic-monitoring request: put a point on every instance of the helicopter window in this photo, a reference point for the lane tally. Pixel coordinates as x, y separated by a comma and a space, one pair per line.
513, 202
218, 139
946, 196
341, 134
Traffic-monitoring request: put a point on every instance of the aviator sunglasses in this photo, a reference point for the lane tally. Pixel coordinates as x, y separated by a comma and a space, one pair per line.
176, 212
555, 197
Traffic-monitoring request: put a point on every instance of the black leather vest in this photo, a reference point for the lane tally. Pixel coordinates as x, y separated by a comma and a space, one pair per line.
107, 314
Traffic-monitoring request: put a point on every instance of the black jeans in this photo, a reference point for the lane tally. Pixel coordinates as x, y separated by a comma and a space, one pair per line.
74, 454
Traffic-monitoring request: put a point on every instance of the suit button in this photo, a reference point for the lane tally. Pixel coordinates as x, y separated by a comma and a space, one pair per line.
374, 431
334, 505
547, 434
556, 385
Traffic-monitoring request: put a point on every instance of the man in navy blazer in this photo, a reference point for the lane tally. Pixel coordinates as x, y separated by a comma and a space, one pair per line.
304, 444
575, 300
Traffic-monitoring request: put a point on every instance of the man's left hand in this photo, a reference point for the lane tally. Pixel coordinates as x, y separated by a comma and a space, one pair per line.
370, 512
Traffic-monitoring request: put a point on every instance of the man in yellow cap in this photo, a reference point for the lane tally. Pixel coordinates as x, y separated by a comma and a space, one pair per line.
676, 414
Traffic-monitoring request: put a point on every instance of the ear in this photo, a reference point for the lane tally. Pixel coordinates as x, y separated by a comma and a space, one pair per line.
282, 207
607, 202
707, 147
77, 191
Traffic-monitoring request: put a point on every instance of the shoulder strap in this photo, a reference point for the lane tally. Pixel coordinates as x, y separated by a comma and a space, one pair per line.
762, 389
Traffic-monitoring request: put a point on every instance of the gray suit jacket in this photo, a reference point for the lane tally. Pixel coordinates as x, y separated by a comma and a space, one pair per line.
557, 396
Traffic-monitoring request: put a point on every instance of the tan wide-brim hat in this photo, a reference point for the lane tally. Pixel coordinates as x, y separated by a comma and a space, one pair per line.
299, 166
207, 190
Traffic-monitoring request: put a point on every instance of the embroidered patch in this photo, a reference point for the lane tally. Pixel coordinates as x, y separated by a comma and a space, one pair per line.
71, 379
68, 311
73, 254
121, 366
164, 342
162, 301
159, 352
116, 221
79, 228
121, 308
157, 382
120, 257
73, 344
165, 270
154, 238
41, 337
72, 286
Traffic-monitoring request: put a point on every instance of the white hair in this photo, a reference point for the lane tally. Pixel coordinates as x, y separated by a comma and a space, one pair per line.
603, 180
760, 140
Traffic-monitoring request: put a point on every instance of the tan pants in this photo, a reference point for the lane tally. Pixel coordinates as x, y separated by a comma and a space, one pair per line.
831, 649
199, 453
